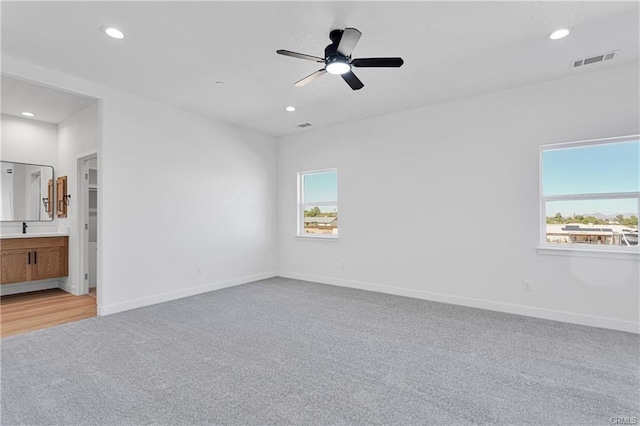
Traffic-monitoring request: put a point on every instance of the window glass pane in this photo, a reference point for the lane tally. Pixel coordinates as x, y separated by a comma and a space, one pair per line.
320, 187
603, 222
320, 219
605, 168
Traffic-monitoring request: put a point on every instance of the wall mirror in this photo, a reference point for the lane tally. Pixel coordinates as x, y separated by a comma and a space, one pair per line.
27, 192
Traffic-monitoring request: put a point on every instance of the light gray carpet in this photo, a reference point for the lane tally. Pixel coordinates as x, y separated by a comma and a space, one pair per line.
281, 351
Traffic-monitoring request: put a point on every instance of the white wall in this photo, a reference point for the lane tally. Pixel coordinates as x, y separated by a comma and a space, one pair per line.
177, 191
77, 136
442, 180
29, 141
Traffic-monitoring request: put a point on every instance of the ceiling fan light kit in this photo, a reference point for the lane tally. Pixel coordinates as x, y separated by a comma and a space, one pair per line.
337, 65
337, 59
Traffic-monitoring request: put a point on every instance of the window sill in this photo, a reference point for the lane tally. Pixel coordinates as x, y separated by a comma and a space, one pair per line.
589, 252
333, 238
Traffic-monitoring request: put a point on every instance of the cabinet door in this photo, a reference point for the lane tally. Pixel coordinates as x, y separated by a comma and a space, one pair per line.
14, 266
47, 263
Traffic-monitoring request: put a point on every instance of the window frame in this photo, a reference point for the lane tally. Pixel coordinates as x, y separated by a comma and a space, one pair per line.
569, 249
301, 205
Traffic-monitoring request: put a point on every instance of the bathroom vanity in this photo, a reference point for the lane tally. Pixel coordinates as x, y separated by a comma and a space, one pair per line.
33, 257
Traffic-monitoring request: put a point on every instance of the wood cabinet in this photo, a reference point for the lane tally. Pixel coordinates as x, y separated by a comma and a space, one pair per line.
30, 259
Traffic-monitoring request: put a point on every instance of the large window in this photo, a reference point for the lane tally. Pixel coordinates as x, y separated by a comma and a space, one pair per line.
590, 194
318, 203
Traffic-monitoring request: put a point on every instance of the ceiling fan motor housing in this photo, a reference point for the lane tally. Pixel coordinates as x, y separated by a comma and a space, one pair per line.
335, 36
331, 51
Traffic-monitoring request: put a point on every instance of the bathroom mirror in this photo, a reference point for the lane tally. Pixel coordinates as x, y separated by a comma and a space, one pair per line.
27, 192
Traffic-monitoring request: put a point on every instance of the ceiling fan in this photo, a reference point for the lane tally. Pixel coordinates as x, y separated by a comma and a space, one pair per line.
337, 59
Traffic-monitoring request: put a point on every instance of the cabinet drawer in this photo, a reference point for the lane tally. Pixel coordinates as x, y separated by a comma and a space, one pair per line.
31, 243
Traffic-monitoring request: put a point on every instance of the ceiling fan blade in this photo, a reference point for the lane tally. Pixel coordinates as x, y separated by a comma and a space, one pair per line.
353, 81
377, 62
348, 42
308, 79
299, 55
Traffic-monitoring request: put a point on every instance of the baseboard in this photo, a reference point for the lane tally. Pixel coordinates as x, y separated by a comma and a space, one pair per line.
8, 289
593, 321
64, 284
192, 291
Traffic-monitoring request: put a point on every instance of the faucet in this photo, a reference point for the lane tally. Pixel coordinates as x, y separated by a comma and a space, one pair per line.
24, 227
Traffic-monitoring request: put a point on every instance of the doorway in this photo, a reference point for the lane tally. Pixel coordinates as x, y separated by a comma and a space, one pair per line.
89, 224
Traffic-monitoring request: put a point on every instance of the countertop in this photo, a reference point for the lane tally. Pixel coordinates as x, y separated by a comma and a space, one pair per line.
35, 235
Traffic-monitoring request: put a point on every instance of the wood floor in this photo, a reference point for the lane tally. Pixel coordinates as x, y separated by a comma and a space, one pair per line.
21, 313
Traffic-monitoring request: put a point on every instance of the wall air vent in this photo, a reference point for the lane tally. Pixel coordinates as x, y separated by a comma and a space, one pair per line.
303, 125
593, 59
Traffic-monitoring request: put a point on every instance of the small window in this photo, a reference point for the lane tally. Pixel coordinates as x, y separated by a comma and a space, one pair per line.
590, 194
318, 203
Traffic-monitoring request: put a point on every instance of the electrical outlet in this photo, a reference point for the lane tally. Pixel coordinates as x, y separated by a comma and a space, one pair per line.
199, 270
526, 285
342, 264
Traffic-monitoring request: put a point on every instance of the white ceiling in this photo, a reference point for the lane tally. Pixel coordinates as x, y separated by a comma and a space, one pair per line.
174, 52
48, 105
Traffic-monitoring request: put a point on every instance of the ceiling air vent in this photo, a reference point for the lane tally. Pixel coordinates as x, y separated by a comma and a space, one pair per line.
303, 125
593, 59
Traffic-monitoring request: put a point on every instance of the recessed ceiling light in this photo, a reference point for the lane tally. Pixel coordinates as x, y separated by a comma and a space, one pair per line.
560, 33
290, 108
28, 114
113, 32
